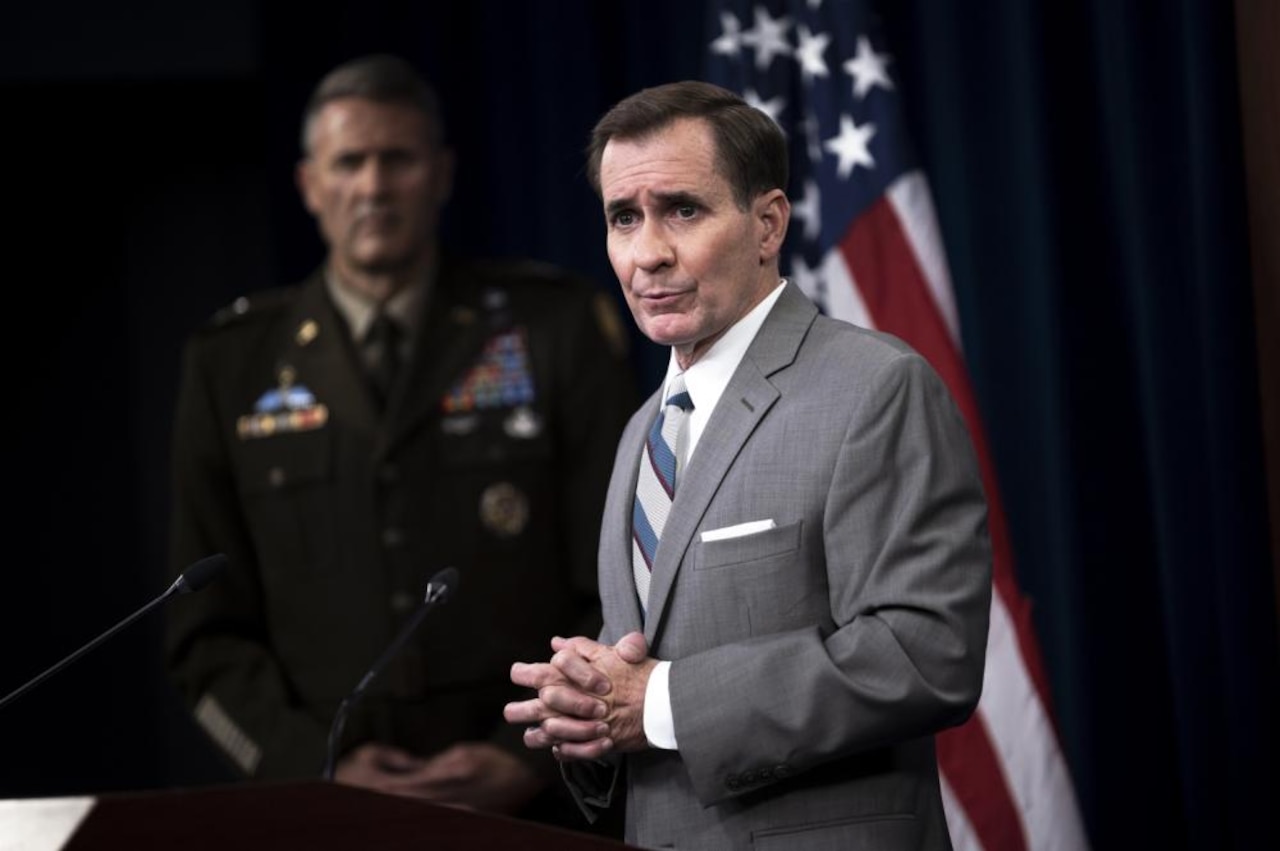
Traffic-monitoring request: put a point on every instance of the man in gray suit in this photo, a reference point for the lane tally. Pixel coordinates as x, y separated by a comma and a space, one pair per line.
786, 633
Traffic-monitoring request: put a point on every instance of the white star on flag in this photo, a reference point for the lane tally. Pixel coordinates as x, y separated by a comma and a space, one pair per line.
730, 38
851, 146
772, 108
812, 134
809, 209
768, 37
809, 53
868, 69
805, 278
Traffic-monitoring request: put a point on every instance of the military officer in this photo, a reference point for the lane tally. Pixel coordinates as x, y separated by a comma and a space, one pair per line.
342, 441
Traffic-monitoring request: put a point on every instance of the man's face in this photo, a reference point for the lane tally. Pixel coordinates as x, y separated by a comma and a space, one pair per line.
690, 261
375, 184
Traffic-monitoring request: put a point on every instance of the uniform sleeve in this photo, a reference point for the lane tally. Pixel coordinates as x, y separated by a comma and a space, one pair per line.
600, 398
215, 642
908, 573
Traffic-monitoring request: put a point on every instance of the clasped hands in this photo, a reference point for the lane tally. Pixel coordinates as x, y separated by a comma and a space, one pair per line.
590, 698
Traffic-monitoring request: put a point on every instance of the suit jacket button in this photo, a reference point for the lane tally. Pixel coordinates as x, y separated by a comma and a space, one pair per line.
402, 601
392, 537
276, 477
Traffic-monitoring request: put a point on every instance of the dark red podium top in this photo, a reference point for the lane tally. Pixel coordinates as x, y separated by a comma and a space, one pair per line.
313, 815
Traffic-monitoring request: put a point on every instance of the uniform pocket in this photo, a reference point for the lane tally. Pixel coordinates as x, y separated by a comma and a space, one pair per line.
285, 461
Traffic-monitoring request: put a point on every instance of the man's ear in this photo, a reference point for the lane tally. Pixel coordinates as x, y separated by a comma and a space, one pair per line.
773, 213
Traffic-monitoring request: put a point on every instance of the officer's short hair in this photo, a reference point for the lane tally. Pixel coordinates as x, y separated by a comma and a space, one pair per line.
380, 77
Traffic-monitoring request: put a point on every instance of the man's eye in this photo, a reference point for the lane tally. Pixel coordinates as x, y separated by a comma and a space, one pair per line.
399, 159
624, 219
686, 211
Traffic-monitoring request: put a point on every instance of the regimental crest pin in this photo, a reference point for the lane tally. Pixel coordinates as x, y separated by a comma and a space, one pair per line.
287, 407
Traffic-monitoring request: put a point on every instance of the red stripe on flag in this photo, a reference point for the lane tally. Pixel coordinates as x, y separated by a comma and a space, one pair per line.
972, 767
886, 273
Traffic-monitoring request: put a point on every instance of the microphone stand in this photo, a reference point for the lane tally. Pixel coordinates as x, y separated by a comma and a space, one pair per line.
438, 591
195, 578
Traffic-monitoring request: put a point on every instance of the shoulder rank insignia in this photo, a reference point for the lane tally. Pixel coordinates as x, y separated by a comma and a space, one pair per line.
500, 378
286, 408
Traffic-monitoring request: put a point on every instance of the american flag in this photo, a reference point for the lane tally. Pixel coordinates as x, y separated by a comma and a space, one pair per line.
865, 245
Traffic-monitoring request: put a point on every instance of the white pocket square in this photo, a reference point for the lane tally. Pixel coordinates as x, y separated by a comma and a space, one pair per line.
737, 530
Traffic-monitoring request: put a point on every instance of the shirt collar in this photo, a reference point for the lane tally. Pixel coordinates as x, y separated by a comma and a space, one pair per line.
707, 379
359, 310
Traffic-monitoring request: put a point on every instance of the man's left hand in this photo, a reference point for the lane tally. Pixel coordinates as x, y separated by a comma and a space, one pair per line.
590, 698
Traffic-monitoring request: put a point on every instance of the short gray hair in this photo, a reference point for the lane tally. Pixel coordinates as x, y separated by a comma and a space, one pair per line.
379, 77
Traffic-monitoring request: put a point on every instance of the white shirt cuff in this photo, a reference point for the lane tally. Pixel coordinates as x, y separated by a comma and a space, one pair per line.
659, 726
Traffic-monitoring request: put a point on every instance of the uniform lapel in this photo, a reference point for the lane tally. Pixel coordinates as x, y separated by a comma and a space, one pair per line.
449, 340
321, 355
745, 402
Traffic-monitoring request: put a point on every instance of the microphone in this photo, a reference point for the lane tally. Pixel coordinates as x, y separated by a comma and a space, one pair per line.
192, 579
439, 589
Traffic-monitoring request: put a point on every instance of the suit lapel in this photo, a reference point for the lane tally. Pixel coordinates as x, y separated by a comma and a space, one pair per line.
617, 583
746, 401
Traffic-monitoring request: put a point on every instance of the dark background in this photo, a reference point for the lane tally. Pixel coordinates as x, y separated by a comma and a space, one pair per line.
1087, 168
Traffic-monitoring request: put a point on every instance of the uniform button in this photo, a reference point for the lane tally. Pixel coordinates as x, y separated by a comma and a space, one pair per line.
402, 601
389, 474
276, 477
392, 537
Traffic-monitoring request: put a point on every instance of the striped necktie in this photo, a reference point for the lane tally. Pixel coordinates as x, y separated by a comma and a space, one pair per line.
661, 462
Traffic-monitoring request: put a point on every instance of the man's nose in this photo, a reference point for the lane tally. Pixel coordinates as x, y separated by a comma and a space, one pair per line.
652, 247
372, 178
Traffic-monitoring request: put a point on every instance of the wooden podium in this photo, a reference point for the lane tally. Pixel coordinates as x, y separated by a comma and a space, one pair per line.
314, 815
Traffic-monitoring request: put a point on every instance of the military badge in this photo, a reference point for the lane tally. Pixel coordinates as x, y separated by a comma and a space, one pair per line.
504, 509
306, 332
459, 425
523, 423
500, 378
285, 408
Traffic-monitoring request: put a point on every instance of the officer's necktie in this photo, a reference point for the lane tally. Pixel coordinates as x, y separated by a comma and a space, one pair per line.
382, 355
661, 463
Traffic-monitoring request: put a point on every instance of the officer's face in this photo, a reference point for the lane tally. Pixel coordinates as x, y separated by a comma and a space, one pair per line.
375, 184
690, 260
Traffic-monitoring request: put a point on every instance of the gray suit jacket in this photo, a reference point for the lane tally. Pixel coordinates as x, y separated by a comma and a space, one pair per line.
812, 662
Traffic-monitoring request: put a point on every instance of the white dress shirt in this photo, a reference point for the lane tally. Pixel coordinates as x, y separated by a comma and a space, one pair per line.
705, 381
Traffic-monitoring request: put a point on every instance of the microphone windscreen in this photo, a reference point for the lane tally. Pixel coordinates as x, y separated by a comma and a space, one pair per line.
444, 584
202, 572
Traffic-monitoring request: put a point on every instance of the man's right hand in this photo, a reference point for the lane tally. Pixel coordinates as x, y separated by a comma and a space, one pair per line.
382, 768
590, 698
471, 775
